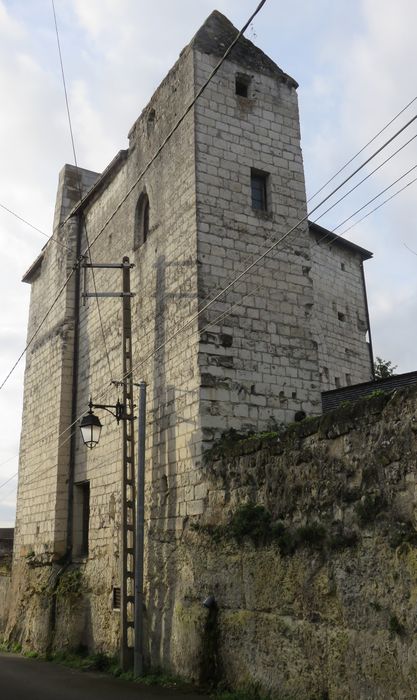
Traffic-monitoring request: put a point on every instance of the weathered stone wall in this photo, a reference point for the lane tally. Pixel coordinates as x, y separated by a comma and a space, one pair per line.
317, 600
47, 398
260, 362
164, 282
339, 315
320, 601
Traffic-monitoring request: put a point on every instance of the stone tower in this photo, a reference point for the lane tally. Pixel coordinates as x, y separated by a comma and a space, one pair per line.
228, 183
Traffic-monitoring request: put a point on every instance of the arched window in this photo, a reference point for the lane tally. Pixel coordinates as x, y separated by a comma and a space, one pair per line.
141, 221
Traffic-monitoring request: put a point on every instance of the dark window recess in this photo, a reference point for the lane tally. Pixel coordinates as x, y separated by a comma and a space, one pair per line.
342, 266
116, 598
146, 220
85, 517
242, 85
341, 316
141, 221
337, 382
81, 518
348, 379
258, 190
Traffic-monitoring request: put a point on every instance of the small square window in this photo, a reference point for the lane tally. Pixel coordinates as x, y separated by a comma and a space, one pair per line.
258, 190
242, 83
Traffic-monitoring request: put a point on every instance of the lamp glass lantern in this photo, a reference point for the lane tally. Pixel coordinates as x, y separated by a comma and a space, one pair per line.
90, 426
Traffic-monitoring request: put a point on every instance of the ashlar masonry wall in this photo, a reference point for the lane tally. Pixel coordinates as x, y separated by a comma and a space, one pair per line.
164, 283
260, 362
340, 320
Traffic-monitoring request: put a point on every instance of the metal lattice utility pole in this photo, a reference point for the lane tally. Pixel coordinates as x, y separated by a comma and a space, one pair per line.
127, 554
140, 526
127, 545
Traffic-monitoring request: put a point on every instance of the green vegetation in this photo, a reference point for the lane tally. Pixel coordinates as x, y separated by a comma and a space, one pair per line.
375, 393
253, 522
395, 626
70, 584
383, 368
368, 509
402, 534
81, 660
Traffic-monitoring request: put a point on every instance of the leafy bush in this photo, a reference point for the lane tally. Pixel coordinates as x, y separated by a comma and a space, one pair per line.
251, 521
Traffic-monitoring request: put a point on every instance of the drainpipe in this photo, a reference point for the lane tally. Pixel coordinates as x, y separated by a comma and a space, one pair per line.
74, 393
371, 351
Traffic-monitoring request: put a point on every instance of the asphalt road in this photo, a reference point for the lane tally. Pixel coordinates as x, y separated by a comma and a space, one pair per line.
31, 679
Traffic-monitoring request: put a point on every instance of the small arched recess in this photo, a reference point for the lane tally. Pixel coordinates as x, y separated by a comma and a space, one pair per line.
141, 231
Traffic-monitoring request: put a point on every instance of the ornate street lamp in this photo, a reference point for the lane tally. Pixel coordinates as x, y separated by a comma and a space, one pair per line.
90, 427
90, 424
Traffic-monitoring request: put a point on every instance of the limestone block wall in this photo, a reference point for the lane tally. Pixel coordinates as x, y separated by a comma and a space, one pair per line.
164, 282
339, 316
260, 362
319, 601
41, 509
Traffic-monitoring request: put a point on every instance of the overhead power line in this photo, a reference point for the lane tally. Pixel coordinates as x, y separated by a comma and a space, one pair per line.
267, 252
178, 123
79, 184
9, 479
219, 318
365, 178
35, 228
362, 149
374, 198
378, 207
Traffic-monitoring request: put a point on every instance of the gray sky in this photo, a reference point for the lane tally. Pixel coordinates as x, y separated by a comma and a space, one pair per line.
354, 60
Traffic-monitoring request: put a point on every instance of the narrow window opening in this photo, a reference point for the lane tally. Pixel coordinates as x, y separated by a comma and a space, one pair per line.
116, 598
151, 121
242, 83
81, 518
146, 220
341, 316
141, 231
337, 382
259, 190
348, 379
342, 266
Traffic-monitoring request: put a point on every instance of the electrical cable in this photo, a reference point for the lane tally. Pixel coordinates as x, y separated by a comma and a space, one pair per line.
79, 185
9, 479
365, 178
34, 335
220, 317
202, 310
209, 325
374, 198
178, 123
261, 257
25, 221
342, 233
361, 150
